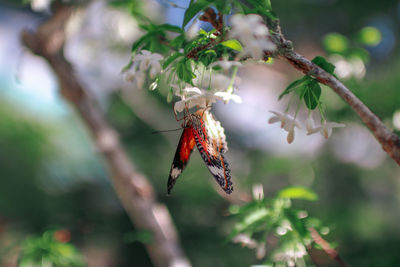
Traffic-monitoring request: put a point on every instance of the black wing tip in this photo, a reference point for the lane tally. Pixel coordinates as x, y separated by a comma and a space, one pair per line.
228, 190
170, 185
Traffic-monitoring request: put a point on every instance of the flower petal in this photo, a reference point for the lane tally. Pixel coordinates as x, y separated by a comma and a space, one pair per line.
290, 136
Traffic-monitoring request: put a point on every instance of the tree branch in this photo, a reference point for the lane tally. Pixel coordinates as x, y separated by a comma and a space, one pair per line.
133, 189
389, 141
327, 248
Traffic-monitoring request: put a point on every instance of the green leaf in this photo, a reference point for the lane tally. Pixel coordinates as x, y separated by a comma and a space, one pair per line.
261, 7
170, 59
178, 41
292, 86
233, 44
297, 223
223, 6
193, 9
140, 42
170, 95
254, 217
311, 94
184, 70
169, 27
324, 64
298, 192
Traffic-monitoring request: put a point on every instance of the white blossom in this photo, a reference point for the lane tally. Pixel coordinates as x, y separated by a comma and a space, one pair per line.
194, 97
246, 26
149, 60
325, 129
226, 96
245, 240
255, 48
291, 255
144, 61
40, 5
253, 35
288, 123
258, 192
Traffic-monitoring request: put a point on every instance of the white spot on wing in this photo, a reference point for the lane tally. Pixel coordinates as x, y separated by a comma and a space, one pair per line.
175, 172
216, 170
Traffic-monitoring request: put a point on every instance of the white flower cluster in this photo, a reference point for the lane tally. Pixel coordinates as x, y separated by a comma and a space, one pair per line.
194, 97
288, 123
209, 88
290, 256
144, 61
252, 34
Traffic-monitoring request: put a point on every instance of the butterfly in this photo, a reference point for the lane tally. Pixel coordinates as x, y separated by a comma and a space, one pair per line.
202, 130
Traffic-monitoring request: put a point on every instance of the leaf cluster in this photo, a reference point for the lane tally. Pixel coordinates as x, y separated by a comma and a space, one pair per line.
47, 251
261, 7
277, 219
307, 87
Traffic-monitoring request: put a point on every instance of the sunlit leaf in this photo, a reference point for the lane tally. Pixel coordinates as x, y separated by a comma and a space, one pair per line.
298, 193
233, 44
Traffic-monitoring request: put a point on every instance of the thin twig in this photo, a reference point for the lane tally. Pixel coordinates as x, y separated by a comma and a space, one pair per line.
133, 189
327, 248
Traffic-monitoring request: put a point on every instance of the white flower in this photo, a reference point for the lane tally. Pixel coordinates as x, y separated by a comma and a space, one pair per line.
246, 26
245, 240
142, 62
134, 76
288, 123
226, 96
194, 97
291, 255
40, 5
255, 48
258, 192
325, 129
149, 60
253, 34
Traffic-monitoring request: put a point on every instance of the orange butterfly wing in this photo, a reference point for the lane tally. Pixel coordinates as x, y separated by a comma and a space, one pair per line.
182, 155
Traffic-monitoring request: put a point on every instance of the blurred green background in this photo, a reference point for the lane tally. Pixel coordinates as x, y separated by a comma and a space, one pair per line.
51, 177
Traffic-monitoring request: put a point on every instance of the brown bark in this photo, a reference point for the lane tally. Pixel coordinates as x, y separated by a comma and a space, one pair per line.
133, 189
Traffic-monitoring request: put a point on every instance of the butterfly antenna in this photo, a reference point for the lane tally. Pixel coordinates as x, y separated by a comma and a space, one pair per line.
164, 131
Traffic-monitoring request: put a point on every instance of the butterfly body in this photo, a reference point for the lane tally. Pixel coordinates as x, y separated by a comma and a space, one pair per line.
202, 130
